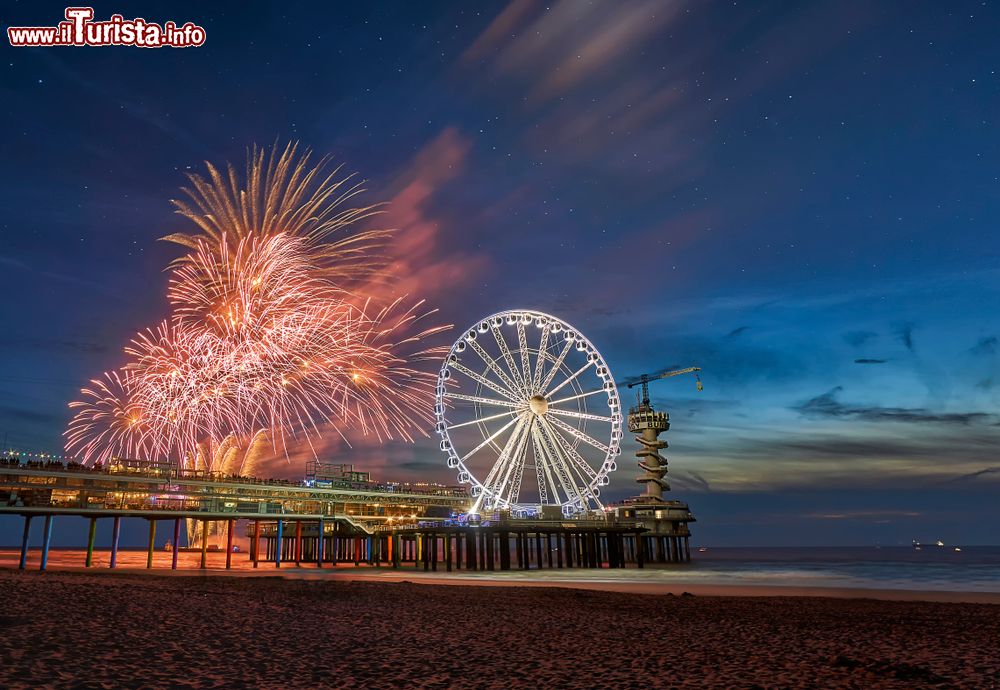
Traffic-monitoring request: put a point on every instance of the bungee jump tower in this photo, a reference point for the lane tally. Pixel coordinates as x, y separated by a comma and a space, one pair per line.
668, 539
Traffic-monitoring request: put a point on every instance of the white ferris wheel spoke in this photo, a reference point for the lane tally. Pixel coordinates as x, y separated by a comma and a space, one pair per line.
483, 401
574, 397
517, 470
542, 473
555, 366
575, 463
514, 461
479, 420
492, 364
571, 378
489, 439
504, 453
572, 453
484, 381
543, 348
522, 343
540, 470
573, 431
558, 465
509, 358
572, 474
579, 415
542, 459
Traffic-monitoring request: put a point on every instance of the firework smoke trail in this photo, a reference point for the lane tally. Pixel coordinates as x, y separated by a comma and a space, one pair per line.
268, 334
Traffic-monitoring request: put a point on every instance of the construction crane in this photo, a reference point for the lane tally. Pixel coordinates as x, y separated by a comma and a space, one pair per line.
645, 379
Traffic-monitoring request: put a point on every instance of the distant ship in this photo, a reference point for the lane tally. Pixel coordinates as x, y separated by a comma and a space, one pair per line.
917, 546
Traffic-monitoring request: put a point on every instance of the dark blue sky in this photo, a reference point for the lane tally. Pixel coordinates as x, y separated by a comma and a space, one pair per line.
800, 197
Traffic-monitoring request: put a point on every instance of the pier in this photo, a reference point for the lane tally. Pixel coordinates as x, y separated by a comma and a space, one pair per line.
506, 544
157, 493
288, 523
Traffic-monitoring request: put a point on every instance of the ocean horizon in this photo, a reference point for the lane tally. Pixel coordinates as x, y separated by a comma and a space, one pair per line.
931, 567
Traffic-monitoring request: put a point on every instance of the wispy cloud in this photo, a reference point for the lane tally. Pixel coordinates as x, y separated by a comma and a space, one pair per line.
877, 515
985, 347
828, 405
424, 260
904, 334
84, 347
859, 338
35, 272
978, 474
688, 480
20, 414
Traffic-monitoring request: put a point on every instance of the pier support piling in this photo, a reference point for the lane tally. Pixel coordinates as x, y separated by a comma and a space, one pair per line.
24, 543
46, 541
277, 548
255, 546
116, 532
177, 544
504, 551
91, 535
319, 543
149, 547
230, 525
204, 544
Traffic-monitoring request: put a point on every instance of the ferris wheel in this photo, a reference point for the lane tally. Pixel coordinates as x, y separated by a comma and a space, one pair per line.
529, 415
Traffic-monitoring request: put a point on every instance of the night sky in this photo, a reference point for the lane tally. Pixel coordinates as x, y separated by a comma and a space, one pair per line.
801, 198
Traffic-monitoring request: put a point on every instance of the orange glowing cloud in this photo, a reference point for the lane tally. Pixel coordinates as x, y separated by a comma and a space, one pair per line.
421, 260
424, 262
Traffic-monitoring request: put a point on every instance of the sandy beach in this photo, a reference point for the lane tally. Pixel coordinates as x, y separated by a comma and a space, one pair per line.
104, 630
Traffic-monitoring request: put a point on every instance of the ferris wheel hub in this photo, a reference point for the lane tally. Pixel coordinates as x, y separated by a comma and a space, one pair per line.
538, 404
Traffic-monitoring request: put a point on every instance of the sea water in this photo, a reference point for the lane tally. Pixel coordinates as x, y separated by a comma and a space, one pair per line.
932, 568
938, 568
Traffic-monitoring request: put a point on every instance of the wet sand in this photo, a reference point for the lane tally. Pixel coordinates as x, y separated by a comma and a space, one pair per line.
654, 579
101, 629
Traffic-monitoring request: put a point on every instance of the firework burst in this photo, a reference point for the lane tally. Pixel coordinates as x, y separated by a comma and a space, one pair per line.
269, 335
